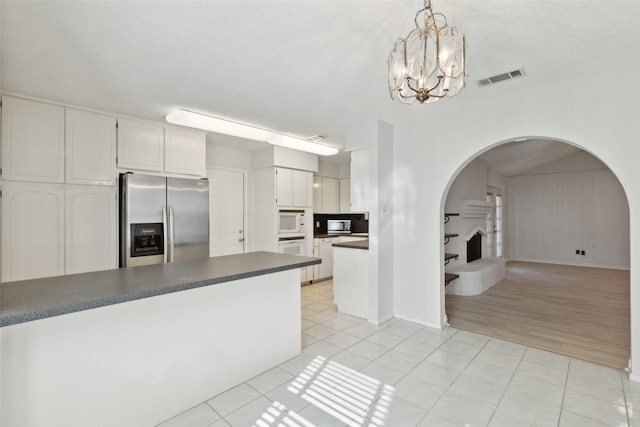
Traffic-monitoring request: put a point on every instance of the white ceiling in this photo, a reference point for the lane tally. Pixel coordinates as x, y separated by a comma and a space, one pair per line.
301, 67
521, 156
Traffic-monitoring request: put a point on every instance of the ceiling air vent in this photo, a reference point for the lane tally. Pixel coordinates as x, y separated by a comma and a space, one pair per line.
317, 138
501, 77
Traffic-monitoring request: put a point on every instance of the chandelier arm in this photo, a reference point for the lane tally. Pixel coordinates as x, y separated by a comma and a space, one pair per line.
409, 85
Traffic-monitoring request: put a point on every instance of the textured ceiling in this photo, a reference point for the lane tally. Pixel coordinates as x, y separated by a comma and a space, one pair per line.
300, 67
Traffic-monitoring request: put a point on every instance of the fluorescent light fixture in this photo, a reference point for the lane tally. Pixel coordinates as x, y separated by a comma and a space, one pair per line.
302, 145
214, 124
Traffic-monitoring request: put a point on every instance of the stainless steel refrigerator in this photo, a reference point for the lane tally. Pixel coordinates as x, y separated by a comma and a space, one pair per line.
163, 219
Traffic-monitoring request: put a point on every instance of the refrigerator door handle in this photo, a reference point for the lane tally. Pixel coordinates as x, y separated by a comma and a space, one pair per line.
171, 235
165, 232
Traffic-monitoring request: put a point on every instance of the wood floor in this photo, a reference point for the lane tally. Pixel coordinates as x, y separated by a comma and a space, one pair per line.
580, 312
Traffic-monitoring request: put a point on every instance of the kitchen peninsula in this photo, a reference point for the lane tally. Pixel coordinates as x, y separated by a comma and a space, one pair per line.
351, 277
136, 346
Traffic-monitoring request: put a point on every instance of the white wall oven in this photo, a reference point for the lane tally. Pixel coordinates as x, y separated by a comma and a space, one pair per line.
290, 223
293, 246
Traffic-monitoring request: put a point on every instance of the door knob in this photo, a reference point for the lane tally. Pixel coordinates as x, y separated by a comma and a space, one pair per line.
240, 231
241, 239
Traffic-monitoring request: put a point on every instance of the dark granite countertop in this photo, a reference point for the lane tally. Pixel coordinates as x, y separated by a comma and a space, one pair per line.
27, 300
356, 244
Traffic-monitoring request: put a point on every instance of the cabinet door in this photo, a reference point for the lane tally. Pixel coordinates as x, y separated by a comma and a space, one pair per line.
310, 195
299, 190
91, 148
32, 230
283, 187
345, 195
317, 194
326, 253
140, 145
91, 233
32, 140
184, 151
330, 190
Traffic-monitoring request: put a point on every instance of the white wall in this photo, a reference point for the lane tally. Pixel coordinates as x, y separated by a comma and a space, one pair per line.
372, 186
284, 157
470, 184
555, 214
227, 157
328, 169
459, 129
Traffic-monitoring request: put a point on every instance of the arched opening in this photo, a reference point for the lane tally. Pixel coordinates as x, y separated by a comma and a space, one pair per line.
560, 218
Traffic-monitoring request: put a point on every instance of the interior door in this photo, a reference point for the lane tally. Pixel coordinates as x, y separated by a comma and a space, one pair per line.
226, 212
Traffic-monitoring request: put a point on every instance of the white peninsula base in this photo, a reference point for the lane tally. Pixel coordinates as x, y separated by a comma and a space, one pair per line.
351, 281
141, 362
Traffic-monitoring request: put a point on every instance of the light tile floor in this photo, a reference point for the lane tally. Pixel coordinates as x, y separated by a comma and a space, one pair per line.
400, 374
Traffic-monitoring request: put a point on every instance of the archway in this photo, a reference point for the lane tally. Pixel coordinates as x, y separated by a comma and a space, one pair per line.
562, 199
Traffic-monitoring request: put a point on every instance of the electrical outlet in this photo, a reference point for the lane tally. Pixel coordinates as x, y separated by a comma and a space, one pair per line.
577, 251
582, 253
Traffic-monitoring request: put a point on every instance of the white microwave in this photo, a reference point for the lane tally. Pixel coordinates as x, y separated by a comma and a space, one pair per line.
290, 222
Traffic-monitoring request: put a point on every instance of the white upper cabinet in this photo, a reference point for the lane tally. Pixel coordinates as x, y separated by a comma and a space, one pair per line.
345, 195
32, 140
91, 229
317, 193
301, 189
140, 145
327, 195
151, 147
90, 148
32, 230
184, 151
294, 188
283, 187
330, 195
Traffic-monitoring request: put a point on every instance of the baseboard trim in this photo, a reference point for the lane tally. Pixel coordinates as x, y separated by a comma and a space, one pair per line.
381, 320
421, 322
575, 264
634, 378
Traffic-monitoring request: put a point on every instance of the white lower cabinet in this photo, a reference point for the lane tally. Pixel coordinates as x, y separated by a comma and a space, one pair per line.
91, 229
326, 254
32, 230
55, 229
323, 249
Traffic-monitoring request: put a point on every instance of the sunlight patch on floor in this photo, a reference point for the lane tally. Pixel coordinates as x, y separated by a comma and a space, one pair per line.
345, 394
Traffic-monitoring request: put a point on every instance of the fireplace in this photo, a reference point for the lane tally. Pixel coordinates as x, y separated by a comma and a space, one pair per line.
474, 247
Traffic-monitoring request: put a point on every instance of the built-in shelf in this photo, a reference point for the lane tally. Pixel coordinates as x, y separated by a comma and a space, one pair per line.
449, 277
447, 216
448, 236
448, 257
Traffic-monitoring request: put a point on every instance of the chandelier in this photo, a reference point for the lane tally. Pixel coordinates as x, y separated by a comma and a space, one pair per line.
429, 63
